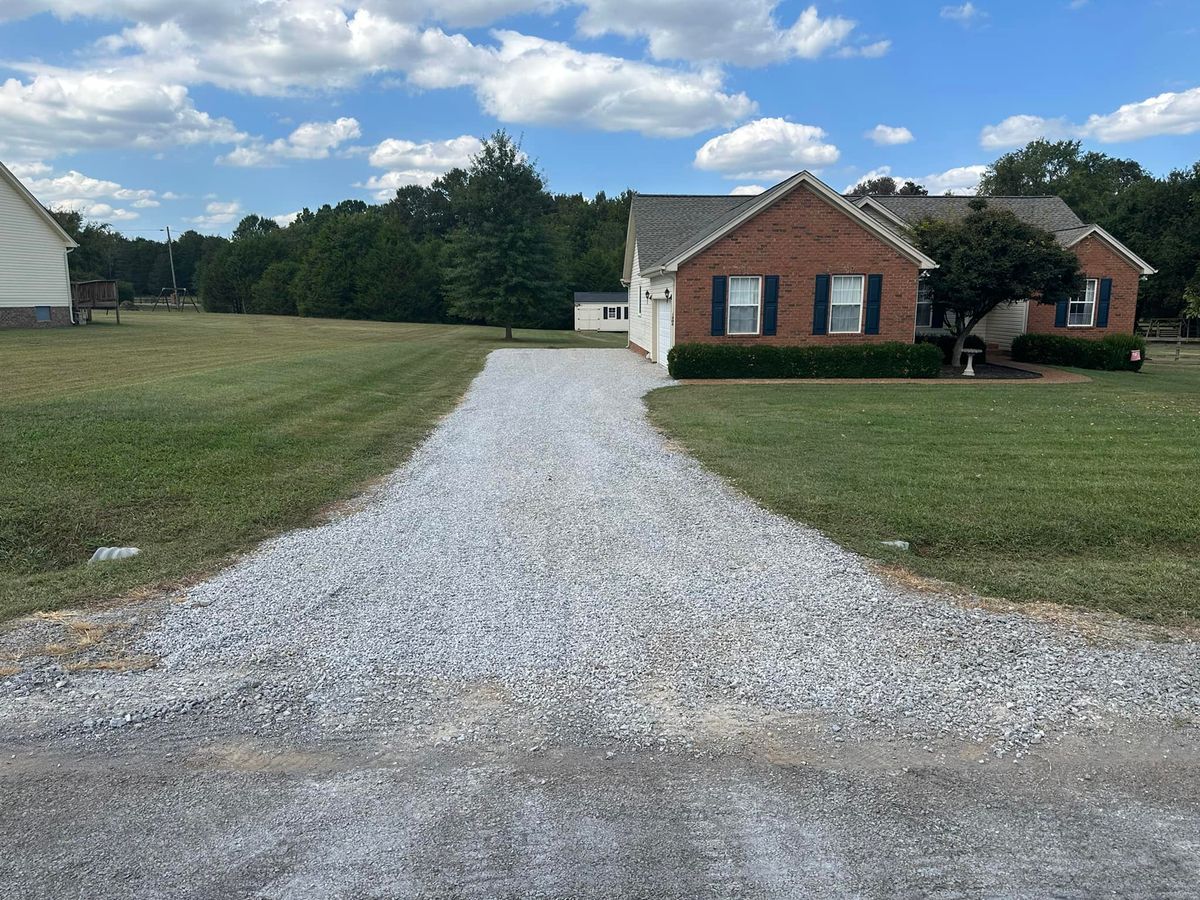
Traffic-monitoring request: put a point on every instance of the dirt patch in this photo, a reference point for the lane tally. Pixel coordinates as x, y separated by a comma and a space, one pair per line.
1095, 626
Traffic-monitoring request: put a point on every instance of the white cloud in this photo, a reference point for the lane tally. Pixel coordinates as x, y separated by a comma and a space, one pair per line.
744, 34
888, 134
283, 220
436, 156
410, 162
1169, 113
312, 140
1017, 130
137, 93
966, 13
547, 82
770, 149
867, 51
83, 193
1174, 112
218, 213
24, 170
747, 190
59, 111
95, 210
959, 180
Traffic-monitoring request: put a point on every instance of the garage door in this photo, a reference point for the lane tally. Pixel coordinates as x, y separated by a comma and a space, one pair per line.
665, 333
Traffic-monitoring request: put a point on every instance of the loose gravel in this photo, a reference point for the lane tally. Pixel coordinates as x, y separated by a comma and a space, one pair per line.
548, 552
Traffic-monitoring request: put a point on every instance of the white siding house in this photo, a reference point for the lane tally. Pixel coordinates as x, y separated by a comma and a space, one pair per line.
601, 311
35, 282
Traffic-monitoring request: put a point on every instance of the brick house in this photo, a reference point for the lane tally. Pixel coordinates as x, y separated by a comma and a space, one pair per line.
801, 264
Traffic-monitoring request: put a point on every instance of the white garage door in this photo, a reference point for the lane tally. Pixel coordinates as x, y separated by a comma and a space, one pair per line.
665, 333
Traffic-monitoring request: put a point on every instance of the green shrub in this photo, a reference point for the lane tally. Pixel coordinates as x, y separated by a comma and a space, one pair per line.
946, 343
1112, 352
125, 291
888, 360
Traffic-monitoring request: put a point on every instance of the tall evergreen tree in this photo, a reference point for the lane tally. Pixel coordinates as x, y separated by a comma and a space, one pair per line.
500, 260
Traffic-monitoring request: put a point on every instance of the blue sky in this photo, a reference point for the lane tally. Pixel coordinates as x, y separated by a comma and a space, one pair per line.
163, 112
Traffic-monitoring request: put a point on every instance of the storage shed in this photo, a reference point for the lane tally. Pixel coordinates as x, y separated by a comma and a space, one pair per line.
35, 282
601, 311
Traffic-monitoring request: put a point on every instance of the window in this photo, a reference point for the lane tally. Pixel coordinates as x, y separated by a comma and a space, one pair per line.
42, 313
1082, 311
846, 304
744, 295
924, 303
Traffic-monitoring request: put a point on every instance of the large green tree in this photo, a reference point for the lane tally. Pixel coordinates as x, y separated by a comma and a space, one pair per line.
1091, 183
991, 257
886, 186
500, 262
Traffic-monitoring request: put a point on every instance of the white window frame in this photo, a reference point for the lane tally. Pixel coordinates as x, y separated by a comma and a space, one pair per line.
862, 302
757, 305
1091, 286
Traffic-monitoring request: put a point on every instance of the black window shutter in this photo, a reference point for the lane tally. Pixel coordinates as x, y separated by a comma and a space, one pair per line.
606, 312
821, 305
874, 301
1060, 313
770, 303
939, 316
718, 304
1102, 307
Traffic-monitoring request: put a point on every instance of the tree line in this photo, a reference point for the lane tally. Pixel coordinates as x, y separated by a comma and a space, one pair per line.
490, 243
485, 244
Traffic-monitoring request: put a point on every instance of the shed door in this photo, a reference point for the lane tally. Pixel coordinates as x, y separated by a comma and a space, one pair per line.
665, 332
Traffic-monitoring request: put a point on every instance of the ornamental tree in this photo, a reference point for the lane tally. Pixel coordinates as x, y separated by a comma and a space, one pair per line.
990, 257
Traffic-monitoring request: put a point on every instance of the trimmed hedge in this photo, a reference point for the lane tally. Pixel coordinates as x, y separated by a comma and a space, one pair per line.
1111, 352
946, 343
888, 360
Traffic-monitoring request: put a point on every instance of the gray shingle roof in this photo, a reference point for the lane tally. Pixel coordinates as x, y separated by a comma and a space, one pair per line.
667, 223
1050, 213
612, 297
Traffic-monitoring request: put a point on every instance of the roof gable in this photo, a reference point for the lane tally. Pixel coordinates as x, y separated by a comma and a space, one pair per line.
1072, 236
695, 222
666, 222
23, 192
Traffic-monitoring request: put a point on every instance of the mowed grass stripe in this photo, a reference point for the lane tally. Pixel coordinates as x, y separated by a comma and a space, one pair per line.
1083, 494
254, 427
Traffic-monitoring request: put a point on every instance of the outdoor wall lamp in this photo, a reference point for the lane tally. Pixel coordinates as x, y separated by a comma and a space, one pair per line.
666, 294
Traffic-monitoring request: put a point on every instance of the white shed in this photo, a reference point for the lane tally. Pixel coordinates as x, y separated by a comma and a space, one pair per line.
35, 281
601, 311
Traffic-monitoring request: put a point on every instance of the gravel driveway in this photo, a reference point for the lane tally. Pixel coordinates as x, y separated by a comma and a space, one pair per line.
552, 656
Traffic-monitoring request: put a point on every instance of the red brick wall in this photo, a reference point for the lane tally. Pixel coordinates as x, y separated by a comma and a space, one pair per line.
1098, 260
798, 238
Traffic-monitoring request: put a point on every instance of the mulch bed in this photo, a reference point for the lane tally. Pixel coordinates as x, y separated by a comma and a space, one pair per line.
987, 370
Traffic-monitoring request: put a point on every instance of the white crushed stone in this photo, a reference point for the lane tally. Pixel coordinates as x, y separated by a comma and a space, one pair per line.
546, 541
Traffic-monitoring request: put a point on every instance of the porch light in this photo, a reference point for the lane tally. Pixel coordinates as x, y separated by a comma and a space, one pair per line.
667, 295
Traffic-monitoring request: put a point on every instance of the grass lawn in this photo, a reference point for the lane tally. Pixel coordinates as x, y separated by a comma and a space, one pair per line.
1085, 494
194, 436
